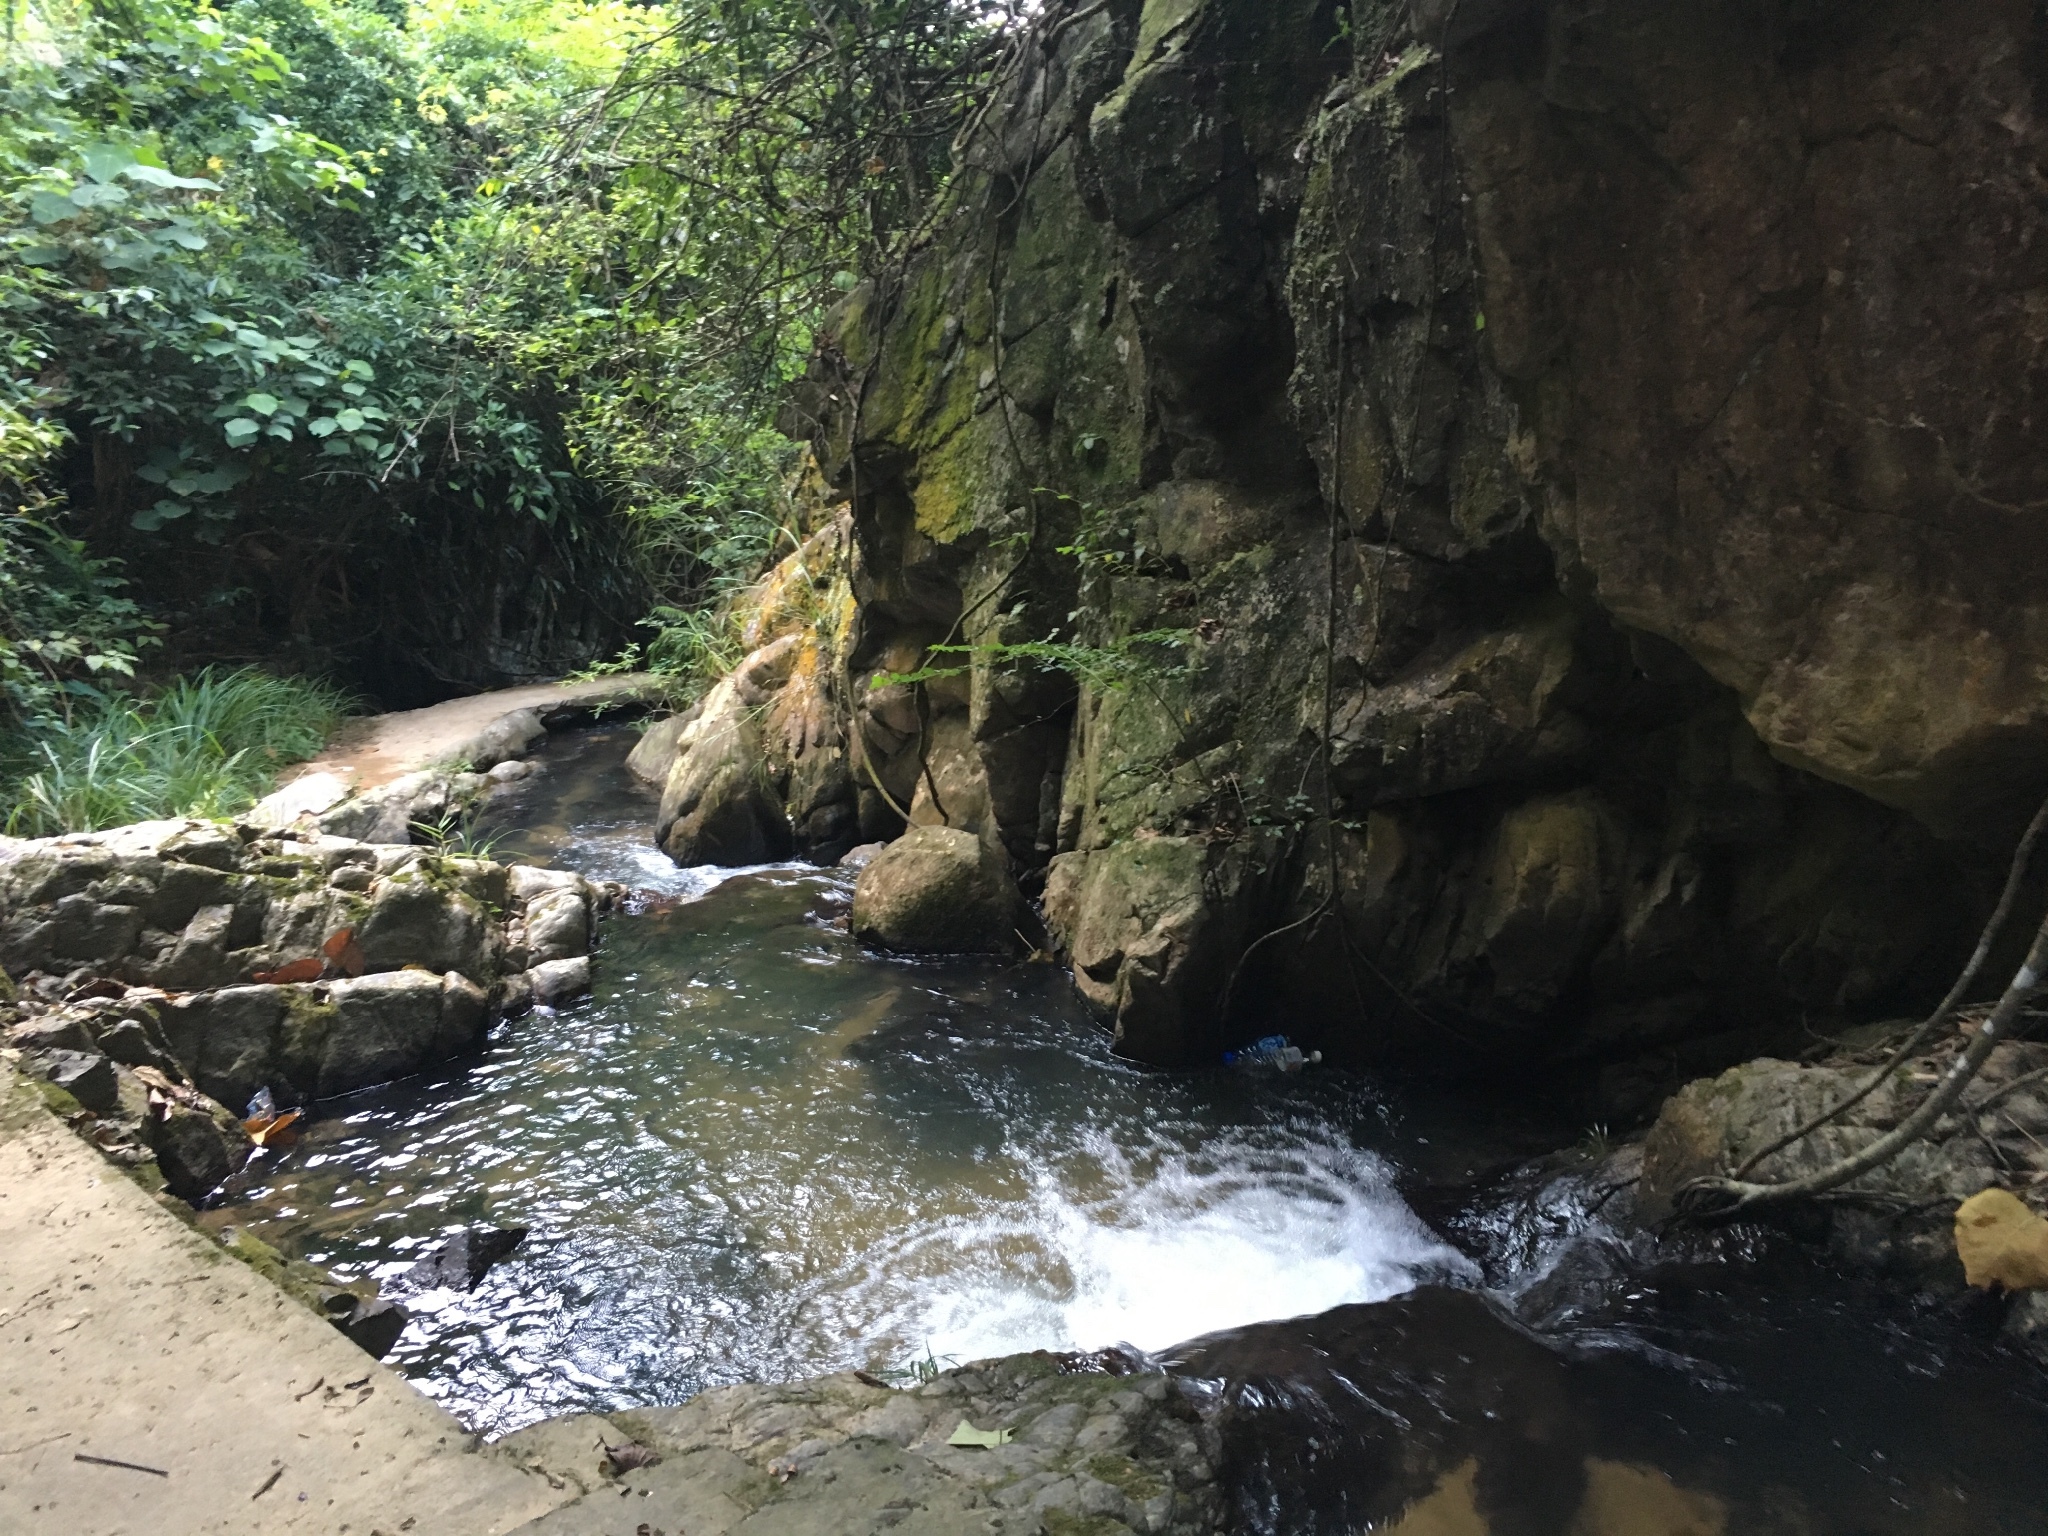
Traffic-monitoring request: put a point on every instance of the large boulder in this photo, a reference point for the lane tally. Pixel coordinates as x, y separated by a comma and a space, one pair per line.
719, 805
1154, 928
938, 890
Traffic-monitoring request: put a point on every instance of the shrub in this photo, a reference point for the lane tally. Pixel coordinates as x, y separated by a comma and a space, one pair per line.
207, 745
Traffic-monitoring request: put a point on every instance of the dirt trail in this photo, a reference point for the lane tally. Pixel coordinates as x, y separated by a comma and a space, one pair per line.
128, 1336
376, 749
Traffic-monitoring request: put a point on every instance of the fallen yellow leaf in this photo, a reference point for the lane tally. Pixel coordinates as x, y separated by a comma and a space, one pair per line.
2002, 1242
987, 1439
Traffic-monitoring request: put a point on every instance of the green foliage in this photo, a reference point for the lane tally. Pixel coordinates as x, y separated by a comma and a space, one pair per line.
208, 745
64, 618
309, 298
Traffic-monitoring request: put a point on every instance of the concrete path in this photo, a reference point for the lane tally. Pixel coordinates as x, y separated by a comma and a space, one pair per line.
126, 1335
376, 749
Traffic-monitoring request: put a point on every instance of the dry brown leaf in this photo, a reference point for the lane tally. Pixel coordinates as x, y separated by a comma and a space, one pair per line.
308, 969
344, 953
2002, 1242
274, 1130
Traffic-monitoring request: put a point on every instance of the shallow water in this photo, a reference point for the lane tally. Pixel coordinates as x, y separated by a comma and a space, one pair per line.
759, 1153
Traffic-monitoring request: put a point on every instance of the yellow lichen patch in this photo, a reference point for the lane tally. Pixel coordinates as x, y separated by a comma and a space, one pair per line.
944, 494
2002, 1242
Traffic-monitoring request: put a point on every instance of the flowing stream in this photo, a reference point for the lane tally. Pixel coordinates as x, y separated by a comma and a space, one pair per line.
760, 1153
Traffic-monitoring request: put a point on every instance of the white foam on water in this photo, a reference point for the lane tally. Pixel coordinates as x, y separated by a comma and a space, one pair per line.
628, 855
1162, 1247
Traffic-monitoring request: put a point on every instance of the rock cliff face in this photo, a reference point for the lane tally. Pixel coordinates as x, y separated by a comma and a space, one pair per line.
1497, 530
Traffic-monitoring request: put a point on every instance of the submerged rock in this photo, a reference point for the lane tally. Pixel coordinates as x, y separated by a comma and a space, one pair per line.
938, 890
461, 1261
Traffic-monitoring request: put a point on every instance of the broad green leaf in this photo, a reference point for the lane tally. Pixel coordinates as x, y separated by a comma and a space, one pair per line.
51, 208
322, 426
350, 420
261, 404
103, 162
90, 194
41, 255
157, 176
242, 431
164, 511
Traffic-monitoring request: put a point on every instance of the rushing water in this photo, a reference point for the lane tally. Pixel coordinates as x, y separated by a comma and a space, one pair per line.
760, 1153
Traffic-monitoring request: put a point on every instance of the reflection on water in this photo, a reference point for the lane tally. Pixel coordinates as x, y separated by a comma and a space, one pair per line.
758, 1153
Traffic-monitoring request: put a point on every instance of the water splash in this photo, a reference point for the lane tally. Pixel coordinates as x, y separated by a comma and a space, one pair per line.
1155, 1245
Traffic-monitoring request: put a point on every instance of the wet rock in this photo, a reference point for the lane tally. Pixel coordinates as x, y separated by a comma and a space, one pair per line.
718, 805
461, 1261
938, 890
859, 858
374, 1323
560, 981
557, 926
510, 772
86, 1075
1896, 1220
197, 1147
843, 1453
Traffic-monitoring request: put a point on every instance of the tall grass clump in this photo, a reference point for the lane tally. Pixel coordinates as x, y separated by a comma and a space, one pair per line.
206, 745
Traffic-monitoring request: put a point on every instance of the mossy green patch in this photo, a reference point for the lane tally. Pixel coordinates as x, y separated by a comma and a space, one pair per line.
1124, 1474
1059, 1522
302, 1036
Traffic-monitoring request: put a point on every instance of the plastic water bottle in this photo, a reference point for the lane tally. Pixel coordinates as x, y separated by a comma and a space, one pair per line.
1272, 1054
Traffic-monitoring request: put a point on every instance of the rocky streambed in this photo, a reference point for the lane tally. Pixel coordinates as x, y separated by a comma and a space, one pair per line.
800, 1187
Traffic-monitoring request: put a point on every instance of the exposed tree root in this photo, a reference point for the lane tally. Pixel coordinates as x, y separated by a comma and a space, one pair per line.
1730, 1197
